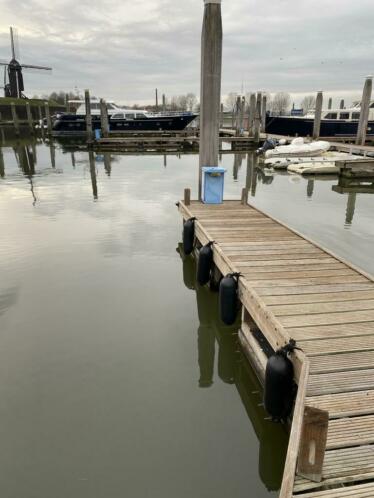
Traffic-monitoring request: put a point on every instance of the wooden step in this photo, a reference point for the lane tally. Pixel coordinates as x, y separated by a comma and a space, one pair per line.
344, 404
339, 382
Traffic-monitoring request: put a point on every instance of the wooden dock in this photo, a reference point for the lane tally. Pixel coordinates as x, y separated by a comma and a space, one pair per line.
292, 288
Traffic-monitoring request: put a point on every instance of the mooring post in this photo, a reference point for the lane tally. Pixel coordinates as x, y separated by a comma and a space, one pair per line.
364, 114
29, 116
222, 118
104, 118
2, 166
244, 199
156, 99
342, 104
163, 102
187, 197
251, 114
87, 102
263, 113
15, 117
48, 118
257, 123
242, 111
330, 103
318, 116
210, 92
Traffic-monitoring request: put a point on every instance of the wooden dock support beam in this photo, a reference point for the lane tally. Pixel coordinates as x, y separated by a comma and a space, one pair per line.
210, 92
257, 122
318, 116
104, 118
29, 117
15, 117
251, 115
263, 113
88, 115
364, 115
48, 117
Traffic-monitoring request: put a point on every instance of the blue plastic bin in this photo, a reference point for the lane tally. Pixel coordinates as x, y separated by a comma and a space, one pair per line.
97, 134
213, 178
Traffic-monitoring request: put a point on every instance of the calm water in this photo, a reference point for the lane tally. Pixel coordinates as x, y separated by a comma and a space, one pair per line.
116, 376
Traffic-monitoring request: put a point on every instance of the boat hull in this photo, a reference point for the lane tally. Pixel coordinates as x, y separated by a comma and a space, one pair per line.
72, 124
303, 127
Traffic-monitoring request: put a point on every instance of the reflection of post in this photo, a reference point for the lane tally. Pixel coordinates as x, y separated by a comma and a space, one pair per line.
48, 117
165, 160
206, 348
351, 206
15, 117
52, 149
93, 173
236, 166
29, 117
2, 167
73, 159
210, 98
107, 163
310, 188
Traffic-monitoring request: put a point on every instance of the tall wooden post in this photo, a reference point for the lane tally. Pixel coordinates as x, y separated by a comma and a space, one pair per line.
342, 104
318, 116
156, 99
364, 114
251, 115
222, 117
87, 102
237, 115
104, 118
15, 117
210, 92
29, 116
330, 103
263, 113
257, 123
163, 103
91, 158
48, 117
242, 110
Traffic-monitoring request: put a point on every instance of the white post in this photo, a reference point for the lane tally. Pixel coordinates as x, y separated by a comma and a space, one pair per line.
364, 114
210, 92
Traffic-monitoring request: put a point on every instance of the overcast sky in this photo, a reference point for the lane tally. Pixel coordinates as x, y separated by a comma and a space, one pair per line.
123, 50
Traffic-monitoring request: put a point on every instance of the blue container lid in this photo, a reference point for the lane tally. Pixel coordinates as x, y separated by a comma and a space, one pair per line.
213, 169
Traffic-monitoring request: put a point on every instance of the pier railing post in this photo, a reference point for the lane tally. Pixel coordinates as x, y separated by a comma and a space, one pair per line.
87, 102
364, 114
48, 117
251, 115
318, 116
104, 118
257, 123
14, 117
210, 92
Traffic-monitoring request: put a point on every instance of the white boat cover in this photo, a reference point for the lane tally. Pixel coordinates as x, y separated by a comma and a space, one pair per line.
299, 148
314, 168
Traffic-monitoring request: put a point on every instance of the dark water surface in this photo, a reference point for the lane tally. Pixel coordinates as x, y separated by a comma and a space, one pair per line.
116, 377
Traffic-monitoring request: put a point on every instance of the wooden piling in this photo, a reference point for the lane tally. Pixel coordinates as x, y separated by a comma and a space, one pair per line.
263, 113
163, 103
364, 114
242, 111
251, 115
237, 115
244, 198
156, 99
48, 117
342, 104
29, 117
222, 117
318, 116
187, 196
210, 93
89, 128
15, 117
257, 123
104, 118
2, 165
330, 103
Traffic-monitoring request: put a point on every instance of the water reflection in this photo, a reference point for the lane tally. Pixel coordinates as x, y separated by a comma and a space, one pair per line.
91, 158
233, 368
8, 298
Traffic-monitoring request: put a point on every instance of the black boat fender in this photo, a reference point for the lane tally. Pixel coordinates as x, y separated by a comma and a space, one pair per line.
205, 264
279, 383
188, 235
228, 298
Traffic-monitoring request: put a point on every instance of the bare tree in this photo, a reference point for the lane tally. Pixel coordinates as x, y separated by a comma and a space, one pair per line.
308, 103
281, 103
191, 101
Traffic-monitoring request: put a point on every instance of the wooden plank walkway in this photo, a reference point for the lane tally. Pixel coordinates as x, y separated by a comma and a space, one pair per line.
292, 288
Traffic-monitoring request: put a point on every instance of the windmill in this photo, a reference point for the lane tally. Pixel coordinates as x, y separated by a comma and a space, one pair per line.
13, 77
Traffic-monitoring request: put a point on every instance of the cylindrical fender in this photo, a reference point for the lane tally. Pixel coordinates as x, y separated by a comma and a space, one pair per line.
188, 235
228, 299
205, 264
